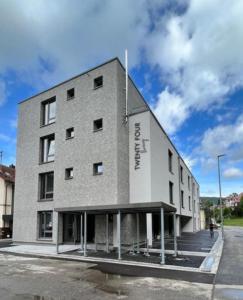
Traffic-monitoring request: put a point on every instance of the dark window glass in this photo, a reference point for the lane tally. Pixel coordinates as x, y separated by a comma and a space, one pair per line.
189, 184
171, 191
98, 168
70, 133
46, 186
189, 202
98, 82
182, 199
70, 94
170, 157
181, 174
98, 124
69, 173
45, 224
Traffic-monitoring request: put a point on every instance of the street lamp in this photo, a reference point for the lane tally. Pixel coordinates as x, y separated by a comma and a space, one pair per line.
220, 197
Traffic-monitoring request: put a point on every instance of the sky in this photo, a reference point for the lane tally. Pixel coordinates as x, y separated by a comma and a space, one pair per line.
185, 57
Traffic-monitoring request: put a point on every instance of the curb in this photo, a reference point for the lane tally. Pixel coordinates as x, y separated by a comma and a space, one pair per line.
212, 260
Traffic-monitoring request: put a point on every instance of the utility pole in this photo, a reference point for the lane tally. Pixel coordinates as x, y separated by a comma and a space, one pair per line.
1, 157
220, 197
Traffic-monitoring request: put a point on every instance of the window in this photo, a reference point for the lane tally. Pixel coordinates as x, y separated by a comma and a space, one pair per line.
70, 133
48, 148
170, 157
181, 174
98, 82
46, 186
193, 189
69, 173
98, 168
70, 94
189, 202
189, 183
171, 192
98, 125
182, 199
45, 224
48, 111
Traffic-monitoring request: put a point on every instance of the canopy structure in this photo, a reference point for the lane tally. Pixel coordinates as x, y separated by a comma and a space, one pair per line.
118, 209
146, 207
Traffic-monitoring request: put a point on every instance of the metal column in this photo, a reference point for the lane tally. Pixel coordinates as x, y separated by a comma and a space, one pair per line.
175, 237
119, 234
85, 233
138, 233
162, 237
107, 233
57, 243
81, 233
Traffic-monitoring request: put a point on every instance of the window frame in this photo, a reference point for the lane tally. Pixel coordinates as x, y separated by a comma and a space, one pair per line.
45, 230
70, 97
43, 177
171, 192
95, 86
181, 174
45, 148
170, 161
97, 129
68, 175
68, 130
182, 199
96, 167
45, 113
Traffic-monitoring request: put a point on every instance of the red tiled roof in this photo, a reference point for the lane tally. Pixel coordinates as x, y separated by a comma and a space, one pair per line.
7, 173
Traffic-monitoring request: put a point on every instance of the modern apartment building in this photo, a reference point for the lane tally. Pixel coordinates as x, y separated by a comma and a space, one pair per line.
86, 172
7, 179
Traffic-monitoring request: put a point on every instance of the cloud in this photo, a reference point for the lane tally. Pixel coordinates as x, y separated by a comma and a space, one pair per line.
224, 139
170, 110
195, 55
233, 173
58, 42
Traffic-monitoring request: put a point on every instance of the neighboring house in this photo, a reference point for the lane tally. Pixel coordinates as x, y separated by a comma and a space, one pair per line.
7, 178
81, 165
232, 200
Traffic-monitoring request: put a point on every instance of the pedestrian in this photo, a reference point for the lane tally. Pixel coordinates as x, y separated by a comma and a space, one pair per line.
211, 226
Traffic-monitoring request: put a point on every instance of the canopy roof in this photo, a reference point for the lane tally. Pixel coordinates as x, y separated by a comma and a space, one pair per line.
146, 207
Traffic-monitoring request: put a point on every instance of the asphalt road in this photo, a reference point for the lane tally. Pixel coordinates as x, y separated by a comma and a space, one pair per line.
229, 279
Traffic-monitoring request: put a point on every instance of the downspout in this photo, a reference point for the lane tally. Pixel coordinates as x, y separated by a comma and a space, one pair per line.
192, 205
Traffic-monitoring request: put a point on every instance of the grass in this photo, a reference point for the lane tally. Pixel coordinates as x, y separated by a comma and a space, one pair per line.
233, 222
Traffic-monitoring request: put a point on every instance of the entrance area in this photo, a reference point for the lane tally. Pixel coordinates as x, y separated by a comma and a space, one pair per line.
72, 228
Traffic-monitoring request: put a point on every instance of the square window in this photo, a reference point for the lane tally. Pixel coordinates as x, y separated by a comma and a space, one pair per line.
48, 111
70, 94
98, 168
70, 133
98, 124
47, 149
46, 186
69, 173
98, 82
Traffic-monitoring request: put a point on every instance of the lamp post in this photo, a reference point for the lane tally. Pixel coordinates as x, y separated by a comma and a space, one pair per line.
220, 197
